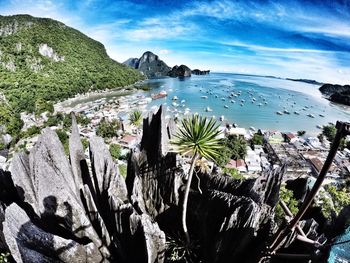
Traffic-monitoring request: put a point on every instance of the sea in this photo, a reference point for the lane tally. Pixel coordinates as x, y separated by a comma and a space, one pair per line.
250, 101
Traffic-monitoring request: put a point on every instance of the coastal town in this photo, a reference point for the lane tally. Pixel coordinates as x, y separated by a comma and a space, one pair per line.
304, 156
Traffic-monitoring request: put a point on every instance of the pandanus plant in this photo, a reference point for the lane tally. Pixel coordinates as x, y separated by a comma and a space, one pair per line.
196, 137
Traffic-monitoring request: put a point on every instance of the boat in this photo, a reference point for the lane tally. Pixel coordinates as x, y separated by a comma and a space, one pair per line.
216, 96
252, 128
226, 106
296, 112
319, 126
259, 104
311, 115
222, 118
223, 99
175, 98
232, 101
242, 100
321, 115
159, 95
204, 97
175, 104
208, 109
286, 112
183, 101
279, 113
242, 104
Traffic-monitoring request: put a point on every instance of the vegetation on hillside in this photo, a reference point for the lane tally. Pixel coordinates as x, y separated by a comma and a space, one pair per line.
72, 63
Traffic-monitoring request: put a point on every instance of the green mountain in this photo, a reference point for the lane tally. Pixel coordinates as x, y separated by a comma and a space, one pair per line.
43, 59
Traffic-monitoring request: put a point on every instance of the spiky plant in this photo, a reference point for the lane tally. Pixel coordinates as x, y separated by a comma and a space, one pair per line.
135, 118
196, 137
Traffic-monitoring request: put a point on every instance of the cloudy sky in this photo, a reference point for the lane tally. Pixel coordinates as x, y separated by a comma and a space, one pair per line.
297, 39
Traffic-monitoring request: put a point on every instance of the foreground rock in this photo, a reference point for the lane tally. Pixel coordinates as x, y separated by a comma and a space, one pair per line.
59, 210
64, 213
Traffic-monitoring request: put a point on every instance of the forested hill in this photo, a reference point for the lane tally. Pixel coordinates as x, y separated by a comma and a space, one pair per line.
43, 59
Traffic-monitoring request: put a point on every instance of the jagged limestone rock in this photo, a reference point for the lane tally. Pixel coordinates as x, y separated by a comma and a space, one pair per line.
67, 213
29, 243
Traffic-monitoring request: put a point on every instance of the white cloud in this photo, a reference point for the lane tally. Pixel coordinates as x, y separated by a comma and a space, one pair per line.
164, 52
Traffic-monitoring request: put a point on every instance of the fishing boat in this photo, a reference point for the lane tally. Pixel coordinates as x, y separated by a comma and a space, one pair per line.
175, 98
296, 112
204, 97
260, 104
223, 99
311, 115
183, 101
319, 126
159, 95
286, 112
174, 104
321, 115
242, 104
222, 118
208, 109
279, 113
226, 106
232, 101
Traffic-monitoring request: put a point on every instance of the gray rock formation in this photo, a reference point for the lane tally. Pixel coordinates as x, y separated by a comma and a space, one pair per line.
64, 213
150, 65
78, 210
200, 72
180, 71
132, 62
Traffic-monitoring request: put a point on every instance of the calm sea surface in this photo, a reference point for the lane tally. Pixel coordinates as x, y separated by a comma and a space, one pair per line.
271, 94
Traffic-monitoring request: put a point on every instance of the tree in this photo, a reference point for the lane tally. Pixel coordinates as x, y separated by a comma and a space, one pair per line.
115, 150
238, 146
107, 129
197, 137
135, 118
287, 197
329, 132
234, 173
301, 133
257, 139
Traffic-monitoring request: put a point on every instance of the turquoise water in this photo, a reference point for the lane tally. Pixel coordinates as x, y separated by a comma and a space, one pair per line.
341, 253
279, 94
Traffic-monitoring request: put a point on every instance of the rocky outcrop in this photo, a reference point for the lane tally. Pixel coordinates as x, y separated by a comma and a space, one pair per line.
180, 71
62, 212
337, 93
200, 72
132, 62
150, 65
82, 210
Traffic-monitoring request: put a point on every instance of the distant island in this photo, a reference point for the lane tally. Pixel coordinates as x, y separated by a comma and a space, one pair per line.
336, 93
151, 66
309, 81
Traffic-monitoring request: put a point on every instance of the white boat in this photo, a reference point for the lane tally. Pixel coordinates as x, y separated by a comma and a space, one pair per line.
242, 104
222, 118
183, 101
286, 112
175, 104
242, 100
311, 115
204, 97
226, 106
232, 101
321, 115
208, 109
260, 104
223, 99
175, 98
297, 113
279, 113
252, 128
319, 126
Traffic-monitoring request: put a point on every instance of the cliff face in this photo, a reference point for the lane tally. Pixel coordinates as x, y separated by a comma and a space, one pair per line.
180, 71
149, 64
337, 93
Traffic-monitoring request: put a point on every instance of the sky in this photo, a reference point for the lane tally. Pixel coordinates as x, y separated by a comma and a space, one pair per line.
293, 39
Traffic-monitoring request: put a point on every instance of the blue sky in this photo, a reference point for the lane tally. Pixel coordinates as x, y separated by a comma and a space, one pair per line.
297, 39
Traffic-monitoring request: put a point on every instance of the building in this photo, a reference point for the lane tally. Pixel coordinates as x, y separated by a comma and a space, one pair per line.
273, 137
128, 141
